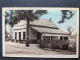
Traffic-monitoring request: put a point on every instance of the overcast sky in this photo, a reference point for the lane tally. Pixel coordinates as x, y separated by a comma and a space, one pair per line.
55, 16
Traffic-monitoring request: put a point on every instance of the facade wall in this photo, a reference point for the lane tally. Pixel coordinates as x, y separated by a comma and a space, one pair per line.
21, 30
21, 27
32, 34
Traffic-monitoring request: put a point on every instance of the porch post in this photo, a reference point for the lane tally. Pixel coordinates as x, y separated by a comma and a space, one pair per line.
42, 37
63, 37
50, 42
50, 38
58, 37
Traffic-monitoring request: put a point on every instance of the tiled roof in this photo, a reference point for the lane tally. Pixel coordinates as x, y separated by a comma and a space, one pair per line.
48, 30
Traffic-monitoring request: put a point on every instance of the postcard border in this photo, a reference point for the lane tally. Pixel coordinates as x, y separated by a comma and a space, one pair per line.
42, 56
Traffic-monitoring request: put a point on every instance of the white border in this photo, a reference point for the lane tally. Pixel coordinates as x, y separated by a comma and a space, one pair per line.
37, 56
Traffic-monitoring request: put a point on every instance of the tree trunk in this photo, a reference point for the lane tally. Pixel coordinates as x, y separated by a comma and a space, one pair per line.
27, 38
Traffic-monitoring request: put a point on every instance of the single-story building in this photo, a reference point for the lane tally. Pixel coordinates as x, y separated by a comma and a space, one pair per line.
40, 29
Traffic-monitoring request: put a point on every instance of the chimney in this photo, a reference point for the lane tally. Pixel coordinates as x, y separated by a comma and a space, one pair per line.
50, 18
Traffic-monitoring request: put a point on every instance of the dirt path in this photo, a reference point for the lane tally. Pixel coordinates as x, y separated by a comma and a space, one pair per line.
17, 48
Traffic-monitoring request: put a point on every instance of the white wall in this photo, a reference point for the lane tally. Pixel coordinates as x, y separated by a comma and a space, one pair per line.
21, 30
21, 27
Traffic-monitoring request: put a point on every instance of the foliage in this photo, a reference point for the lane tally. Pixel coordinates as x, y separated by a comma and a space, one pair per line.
43, 45
66, 15
70, 30
17, 15
30, 15
72, 47
9, 16
33, 41
55, 44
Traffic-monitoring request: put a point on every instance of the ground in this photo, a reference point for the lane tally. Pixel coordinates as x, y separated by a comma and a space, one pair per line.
18, 48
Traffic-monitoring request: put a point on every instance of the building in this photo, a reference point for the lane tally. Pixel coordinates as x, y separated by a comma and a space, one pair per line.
39, 30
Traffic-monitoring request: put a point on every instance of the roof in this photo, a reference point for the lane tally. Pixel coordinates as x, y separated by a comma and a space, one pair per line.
39, 22
43, 22
48, 30
41, 25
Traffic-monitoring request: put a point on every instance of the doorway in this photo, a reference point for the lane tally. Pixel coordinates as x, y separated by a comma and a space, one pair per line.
19, 36
38, 37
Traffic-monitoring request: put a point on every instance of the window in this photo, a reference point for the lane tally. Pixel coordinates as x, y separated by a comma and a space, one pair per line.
23, 35
46, 37
61, 38
54, 37
15, 35
65, 38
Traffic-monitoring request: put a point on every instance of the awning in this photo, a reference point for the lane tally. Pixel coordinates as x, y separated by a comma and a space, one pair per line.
48, 30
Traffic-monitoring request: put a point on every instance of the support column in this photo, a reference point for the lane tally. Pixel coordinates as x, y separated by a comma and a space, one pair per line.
50, 42
21, 36
63, 37
41, 37
50, 38
59, 37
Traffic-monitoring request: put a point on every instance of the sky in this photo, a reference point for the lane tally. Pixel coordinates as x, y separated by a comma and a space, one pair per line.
55, 16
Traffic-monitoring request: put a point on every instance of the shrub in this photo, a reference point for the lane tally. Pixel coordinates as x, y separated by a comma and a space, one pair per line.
33, 41
41, 44
12, 40
55, 44
59, 44
72, 47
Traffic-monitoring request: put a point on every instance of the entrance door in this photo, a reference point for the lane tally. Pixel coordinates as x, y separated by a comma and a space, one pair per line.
38, 36
19, 36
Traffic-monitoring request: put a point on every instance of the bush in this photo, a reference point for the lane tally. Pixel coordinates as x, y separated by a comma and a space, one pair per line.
55, 44
59, 44
42, 44
12, 40
33, 41
72, 47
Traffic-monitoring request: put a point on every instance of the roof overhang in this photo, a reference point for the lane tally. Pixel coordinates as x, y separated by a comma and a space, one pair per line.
49, 30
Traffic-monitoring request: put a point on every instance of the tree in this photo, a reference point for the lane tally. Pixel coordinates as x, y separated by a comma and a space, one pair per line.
66, 15
28, 15
70, 30
8, 16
